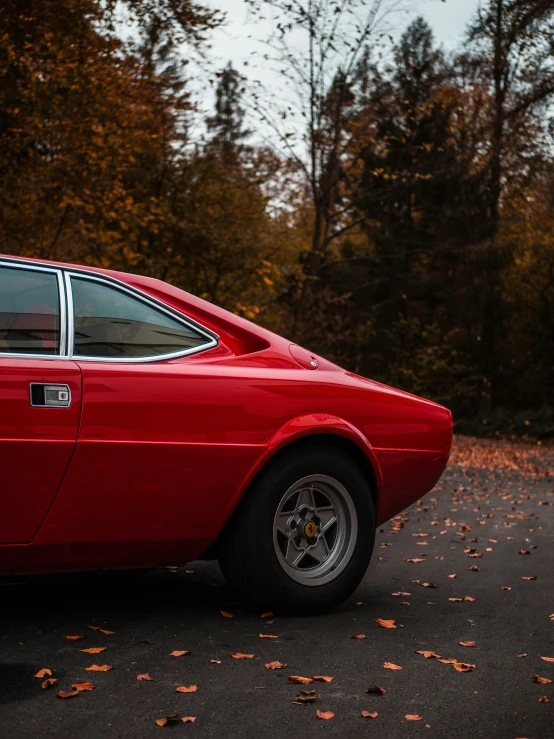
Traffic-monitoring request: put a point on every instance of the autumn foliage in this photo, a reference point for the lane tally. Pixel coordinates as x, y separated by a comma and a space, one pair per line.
417, 250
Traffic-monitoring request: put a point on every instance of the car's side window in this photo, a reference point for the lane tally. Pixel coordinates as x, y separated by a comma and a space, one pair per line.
112, 323
29, 311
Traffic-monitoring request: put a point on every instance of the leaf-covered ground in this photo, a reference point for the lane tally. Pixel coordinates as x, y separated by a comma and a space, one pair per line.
451, 633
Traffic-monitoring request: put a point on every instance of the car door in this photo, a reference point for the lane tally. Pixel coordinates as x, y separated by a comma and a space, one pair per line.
152, 459
40, 397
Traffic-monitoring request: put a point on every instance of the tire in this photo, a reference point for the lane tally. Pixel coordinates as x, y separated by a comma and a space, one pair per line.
272, 568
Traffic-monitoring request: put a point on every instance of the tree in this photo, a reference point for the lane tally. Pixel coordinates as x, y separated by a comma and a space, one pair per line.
513, 41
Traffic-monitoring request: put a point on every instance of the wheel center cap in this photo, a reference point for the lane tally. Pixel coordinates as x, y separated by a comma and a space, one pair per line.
310, 529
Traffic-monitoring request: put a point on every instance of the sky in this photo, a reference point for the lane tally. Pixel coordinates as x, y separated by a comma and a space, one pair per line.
238, 40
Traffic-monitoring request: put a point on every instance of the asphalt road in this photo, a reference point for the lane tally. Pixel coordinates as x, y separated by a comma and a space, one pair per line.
154, 613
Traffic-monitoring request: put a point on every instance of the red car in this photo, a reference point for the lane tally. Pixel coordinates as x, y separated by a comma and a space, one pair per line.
141, 426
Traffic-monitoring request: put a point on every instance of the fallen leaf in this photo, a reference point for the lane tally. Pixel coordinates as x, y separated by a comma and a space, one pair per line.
468, 644
473, 568
386, 624
268, 636
543, 699
323, 678
103, 631
216, 661
74, 638
391, 666
415, 559
42, 673
505, 588
239, 655
49, 682
146, 676
462, 666
300, 680
325, 715
532, 577
67, 693
542, 680
428, 585
452, 576
376, 689
276, 665
412, 717
268, 614
94, 650
185, 689
369, 714
99, 668
400, 592
427, 654
188, 719
173, 718
179, 652
359, 636
226, 615
548, 659
306, 696
83, 686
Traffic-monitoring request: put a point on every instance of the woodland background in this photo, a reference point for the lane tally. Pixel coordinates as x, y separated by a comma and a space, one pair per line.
396, 215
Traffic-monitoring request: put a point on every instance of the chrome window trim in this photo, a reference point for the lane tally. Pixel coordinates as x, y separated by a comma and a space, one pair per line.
62, 339
70, 316
211, 337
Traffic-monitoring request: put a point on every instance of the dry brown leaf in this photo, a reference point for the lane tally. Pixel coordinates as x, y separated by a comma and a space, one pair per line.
172, 718
268, 636
415, 559
359, 636
94, 628
386, 624
74, 638
94, 650
531, 577
428, 654
462, 666
306, 696
145, 676
369, 714
325, 715
49, 682
467, 643
548, 659
179, 652
83, 686
226, 615
106, 631
300, 680
543, 699
188, 719
551, 617
391, 666
99, 668
505, 588
412, 717
276, 665
452, 576
323, 678
268, 614
400, 592
427, 584
239, 655
44, 672
542, 680
376, 689
185, 689
216, 661
67, 693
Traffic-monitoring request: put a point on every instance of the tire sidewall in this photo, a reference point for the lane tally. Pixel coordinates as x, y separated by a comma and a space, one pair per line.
258, 520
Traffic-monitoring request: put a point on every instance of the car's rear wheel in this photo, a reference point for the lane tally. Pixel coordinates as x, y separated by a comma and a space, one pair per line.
303, 536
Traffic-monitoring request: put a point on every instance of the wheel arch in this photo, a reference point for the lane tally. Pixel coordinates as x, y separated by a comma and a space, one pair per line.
296, 435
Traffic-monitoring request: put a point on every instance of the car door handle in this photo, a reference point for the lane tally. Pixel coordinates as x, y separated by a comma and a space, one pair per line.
50, 396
